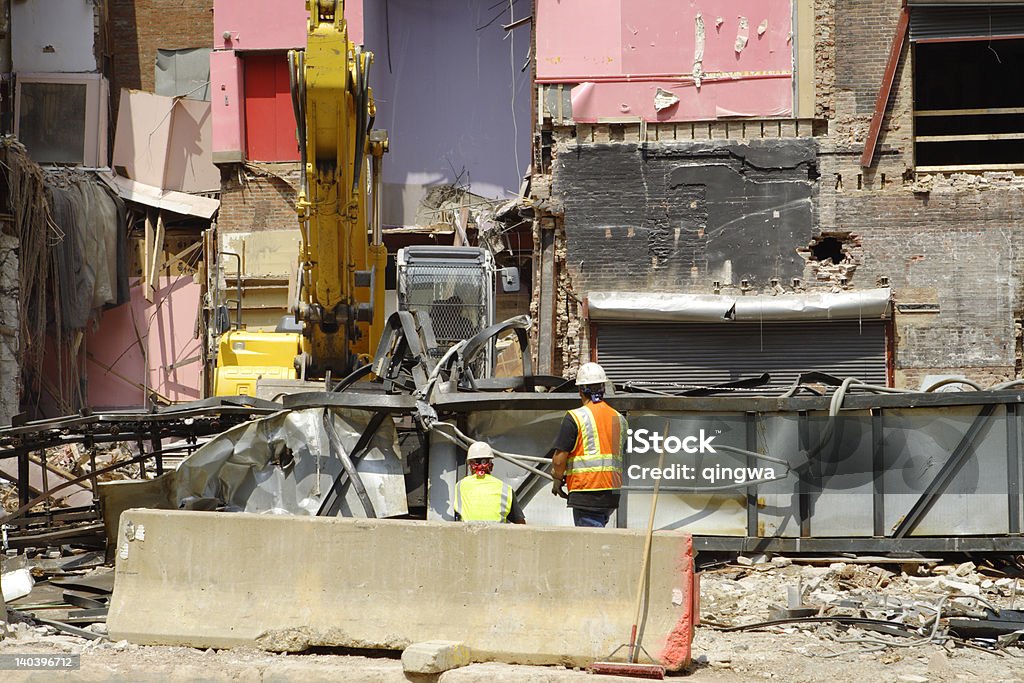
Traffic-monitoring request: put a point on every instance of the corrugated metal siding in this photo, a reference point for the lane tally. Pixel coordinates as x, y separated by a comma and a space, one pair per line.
930, 23
707, 354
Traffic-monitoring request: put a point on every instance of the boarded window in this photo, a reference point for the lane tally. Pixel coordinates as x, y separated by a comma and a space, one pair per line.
269, 119
967, 113
51, 121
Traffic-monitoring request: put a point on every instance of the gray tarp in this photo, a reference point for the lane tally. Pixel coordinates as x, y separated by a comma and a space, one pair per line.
91, 267
669, 307
285, 463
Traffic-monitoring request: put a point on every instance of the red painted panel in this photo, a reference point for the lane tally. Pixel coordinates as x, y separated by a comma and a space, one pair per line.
269, 119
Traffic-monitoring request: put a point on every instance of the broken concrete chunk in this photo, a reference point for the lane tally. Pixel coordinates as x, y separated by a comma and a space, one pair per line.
965, 569
16, 584
434, 657
663, 99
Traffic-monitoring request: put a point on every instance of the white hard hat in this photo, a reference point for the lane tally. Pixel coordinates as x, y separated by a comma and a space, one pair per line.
590, 373
479, 451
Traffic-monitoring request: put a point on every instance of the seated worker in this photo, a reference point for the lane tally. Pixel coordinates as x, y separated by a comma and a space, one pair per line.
480, 497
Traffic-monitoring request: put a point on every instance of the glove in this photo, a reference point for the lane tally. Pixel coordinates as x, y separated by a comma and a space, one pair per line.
558, 488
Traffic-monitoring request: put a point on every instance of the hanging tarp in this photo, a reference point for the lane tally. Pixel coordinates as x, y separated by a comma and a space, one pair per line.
91, 249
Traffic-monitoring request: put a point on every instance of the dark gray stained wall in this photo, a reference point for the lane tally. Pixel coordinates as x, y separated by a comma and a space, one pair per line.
679, 217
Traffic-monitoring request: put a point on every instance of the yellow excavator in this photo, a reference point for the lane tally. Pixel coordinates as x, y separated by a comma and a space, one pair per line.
339, 311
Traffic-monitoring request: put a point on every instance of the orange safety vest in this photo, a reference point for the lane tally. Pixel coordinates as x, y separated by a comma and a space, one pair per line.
595, 463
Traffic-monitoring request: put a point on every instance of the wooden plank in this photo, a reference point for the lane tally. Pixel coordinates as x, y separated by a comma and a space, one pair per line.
882, 102
974, 136
147, 252
158, 251
805, 86
970, 112
184, 253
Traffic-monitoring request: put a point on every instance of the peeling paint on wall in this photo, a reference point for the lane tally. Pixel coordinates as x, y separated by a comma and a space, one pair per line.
742, 35
698, 52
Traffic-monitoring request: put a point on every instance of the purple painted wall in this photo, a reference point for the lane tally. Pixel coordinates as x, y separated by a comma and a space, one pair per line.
444, 81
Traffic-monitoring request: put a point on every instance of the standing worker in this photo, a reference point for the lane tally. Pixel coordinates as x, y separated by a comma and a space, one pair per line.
588, 452
481, 497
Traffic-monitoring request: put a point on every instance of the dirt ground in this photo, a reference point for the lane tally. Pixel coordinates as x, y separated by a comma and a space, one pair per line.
912, 646
720, 657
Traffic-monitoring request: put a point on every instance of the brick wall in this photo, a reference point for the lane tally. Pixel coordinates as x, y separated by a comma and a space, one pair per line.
252, 200
138, 28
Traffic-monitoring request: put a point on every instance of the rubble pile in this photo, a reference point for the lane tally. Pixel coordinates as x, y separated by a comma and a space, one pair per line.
850, 607
75, 460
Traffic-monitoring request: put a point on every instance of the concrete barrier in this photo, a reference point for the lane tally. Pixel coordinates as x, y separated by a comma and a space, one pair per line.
511, 593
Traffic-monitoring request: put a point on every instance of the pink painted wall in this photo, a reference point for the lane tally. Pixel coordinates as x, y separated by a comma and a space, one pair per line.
259, 24
166, 327
228, 106
622, 51
272, 24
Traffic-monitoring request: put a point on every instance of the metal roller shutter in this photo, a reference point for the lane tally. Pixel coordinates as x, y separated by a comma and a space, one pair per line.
712, 353
978, 21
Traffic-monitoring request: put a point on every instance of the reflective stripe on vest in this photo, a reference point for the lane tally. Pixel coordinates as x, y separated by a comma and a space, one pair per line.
595, 463
483, 499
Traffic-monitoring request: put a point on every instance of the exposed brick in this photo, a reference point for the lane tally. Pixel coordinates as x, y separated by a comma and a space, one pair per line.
138, 28
253, 200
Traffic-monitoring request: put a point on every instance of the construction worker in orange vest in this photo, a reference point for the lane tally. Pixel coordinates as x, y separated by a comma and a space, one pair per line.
481, 497
588, 452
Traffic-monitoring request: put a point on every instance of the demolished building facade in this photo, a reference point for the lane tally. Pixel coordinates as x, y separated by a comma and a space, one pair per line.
707, 154
718, 150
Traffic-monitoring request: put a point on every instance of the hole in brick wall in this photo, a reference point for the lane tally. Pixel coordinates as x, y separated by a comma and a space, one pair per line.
827, 249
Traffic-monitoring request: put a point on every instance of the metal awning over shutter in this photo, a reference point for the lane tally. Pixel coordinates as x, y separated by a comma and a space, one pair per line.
705, 354
672, 307
932, 23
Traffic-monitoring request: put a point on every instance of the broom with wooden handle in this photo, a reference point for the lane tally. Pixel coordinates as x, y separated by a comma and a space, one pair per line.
631, 667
